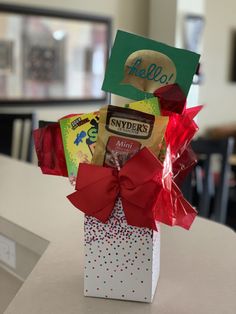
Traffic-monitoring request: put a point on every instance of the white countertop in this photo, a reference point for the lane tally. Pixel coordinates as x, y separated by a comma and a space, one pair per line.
198, 268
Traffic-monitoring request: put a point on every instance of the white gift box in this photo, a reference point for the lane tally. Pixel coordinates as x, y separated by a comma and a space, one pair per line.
121, 261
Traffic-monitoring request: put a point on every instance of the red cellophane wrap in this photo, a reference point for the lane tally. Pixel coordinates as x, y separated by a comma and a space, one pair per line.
49, 150
180, 130
145, 186
183, 165
171, 98
171, 207
180, 158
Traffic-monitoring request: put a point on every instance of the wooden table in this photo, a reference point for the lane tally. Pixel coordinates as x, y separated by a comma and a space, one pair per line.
198, 268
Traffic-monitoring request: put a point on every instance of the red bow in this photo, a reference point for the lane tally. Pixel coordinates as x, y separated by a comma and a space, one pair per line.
146, 189
98, 188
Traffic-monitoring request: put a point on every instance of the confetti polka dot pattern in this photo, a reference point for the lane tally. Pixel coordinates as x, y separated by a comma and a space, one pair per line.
121, 261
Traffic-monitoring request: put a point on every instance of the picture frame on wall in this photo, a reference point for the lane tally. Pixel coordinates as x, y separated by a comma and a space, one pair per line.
52, 56
193, 35
193, 32
6, 56
232, 63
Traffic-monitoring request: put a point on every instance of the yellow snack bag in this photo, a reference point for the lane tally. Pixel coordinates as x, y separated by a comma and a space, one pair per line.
149, 105
79, 135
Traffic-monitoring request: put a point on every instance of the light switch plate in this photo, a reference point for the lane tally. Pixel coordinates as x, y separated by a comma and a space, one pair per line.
7, 251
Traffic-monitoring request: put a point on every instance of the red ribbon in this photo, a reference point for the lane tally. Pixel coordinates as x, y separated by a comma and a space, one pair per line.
146, 189
98, 188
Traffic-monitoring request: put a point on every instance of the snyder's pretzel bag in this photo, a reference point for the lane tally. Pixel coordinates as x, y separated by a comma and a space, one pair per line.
123, 132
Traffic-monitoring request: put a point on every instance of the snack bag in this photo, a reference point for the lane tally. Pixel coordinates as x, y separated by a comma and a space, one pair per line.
148, 105
152, 106
123, 132
79, 135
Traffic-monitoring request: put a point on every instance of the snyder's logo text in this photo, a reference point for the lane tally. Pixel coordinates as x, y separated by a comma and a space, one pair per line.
128, 127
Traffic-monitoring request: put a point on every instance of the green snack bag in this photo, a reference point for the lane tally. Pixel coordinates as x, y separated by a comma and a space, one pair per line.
138, 66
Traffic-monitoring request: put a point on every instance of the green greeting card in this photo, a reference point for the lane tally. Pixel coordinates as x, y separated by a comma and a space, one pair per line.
138, 66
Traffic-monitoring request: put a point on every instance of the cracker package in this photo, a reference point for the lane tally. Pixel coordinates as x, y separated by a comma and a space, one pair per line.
123, 132
79, 135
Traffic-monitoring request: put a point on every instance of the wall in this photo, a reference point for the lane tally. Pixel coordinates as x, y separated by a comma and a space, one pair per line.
162, 20
166, 24
217, 92
129, 15
186, 7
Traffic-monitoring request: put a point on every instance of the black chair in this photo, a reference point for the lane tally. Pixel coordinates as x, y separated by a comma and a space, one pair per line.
23, 148
208, 192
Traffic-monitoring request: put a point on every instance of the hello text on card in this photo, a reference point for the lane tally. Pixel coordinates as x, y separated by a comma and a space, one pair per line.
148, 70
